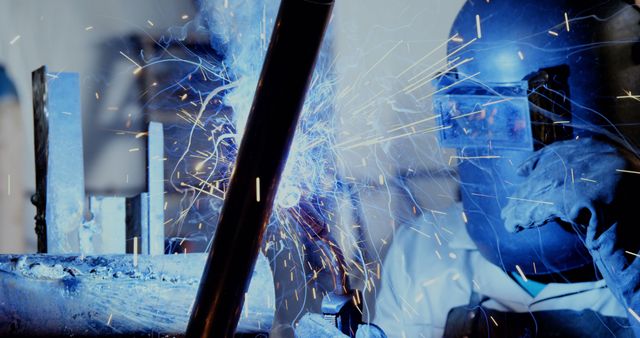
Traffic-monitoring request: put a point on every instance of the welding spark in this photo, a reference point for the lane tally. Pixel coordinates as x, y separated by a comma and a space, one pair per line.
135, 251
629, 96
628, 171
382, 58
420, 232
497, 101
258, 189
454, 157
482, 195
528, 200
469, 114
634, 314
455, 37
449, 86
521, 273
631, 253
14, 40
138, 67
427, 79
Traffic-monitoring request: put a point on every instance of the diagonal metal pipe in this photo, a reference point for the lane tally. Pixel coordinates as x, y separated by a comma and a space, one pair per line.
286, 73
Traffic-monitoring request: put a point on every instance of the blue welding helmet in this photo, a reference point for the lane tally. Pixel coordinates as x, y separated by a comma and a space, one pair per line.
524, 74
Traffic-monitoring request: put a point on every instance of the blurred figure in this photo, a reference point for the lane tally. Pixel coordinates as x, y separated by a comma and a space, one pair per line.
12, 228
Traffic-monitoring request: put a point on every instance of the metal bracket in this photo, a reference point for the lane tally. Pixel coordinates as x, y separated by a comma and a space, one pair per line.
343, 311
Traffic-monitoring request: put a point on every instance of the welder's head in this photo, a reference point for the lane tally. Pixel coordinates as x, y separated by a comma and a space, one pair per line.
524, 74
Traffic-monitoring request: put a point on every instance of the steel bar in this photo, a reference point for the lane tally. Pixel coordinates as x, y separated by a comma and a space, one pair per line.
155, 187
286, 73
107, 296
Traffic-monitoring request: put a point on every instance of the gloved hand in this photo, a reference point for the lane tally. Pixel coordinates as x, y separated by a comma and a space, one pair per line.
313, 325
583, 183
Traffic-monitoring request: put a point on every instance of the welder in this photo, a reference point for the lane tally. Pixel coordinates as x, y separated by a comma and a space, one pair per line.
540, 104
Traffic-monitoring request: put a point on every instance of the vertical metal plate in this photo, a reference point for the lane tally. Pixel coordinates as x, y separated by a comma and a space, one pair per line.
109, 217
59, 160
155, 187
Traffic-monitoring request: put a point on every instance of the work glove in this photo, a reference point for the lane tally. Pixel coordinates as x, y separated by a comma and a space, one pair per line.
313, 325
592, 186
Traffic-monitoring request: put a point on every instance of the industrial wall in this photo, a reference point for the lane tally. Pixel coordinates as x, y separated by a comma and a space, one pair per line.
85, 37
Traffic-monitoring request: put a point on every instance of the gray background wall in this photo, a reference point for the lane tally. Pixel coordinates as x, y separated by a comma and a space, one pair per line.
85, 37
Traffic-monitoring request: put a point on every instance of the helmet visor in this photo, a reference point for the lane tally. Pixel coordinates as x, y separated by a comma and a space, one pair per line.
492, 115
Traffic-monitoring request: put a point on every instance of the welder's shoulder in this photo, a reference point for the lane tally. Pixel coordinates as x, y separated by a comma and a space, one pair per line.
436, 241
423, 277
416, 237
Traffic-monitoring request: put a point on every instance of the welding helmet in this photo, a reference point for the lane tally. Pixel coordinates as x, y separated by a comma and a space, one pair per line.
521, 75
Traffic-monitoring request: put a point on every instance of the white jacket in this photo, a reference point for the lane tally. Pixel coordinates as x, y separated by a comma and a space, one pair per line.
433, 266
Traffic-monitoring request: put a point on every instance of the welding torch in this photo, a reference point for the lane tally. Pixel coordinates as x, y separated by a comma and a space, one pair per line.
341, 308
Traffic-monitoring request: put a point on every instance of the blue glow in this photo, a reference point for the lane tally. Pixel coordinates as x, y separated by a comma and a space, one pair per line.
242, 30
